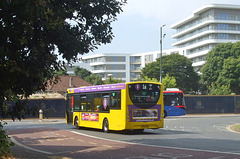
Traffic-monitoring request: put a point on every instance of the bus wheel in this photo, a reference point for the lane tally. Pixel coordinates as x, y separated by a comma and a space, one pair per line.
105, 126
165, 114
76, 122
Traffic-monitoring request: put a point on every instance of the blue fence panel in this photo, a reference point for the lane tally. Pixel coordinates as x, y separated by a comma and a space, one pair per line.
50, 107
194, 105
210, 104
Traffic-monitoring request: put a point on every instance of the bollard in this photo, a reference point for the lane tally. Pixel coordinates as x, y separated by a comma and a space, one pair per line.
40, 114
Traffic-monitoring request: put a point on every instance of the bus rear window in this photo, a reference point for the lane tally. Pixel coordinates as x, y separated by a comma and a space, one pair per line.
144, 95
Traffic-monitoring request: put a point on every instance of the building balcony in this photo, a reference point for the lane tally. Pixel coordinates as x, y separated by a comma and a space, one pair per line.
136, 62
206, 23
197, 54
135, 70
199, 63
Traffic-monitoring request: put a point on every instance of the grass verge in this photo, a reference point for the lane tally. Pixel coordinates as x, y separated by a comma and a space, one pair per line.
236, 127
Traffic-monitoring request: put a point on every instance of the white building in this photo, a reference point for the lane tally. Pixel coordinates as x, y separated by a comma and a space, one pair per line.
105, 64
121, 66
212, 24
195, 36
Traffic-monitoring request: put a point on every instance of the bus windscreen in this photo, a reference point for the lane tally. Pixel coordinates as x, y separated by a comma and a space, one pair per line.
173, 99
144, 95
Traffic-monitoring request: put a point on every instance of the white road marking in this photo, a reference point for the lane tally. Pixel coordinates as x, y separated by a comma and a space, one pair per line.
29, 148
177, 148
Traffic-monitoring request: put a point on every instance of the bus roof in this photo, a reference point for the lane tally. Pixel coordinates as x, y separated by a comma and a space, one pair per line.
172, 89
107, 87
180, 91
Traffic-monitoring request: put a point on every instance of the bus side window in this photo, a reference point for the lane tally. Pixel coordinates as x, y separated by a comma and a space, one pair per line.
119, 100
76, 105
90, 102
116, 100
97, 102
70, 100
83, 102
106, 101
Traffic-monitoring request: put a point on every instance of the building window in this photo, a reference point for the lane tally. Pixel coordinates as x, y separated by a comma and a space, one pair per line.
222, 16
222, 36
115, 67
132, 67
222, 26
119, 75
115, 75
133, 74
132, 59
148, 58
115, 59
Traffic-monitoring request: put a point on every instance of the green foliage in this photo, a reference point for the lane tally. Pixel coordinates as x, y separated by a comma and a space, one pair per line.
82, 72
223, 66
236, 127
5, 142
230, 74
31, 33
15, 109
169, 82
219, 89
34, 33
176, 66
62, 72
150, 79
94, 79
112, 81
151, 70
202, 86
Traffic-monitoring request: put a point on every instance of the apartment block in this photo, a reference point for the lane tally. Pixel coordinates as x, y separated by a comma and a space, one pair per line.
195, 36
212, 24
126, 67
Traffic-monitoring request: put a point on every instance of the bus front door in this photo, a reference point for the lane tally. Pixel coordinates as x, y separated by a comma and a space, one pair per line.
69, 110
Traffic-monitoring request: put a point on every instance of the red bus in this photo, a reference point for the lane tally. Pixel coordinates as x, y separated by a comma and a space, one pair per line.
174, 103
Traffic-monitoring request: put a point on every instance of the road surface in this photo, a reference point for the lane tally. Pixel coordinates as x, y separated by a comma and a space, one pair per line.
184, 137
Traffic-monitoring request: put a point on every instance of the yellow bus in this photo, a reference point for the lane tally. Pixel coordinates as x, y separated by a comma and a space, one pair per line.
131, 105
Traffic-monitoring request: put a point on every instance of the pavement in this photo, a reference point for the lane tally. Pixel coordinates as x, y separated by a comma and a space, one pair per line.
51, 143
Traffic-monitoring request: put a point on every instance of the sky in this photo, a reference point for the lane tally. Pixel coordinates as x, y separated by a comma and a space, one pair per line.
137, 29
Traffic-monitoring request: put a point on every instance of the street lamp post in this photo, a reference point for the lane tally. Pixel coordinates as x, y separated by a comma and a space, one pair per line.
161, 37
110, 77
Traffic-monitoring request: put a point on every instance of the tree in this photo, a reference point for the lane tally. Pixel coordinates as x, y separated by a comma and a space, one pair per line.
94, 79
112, 81
151, 70
150, 79
32, 31
214, 62
230, 74
62, 72
5, 142
169, 82
219, 89
176, 66
82, 72
222, 66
